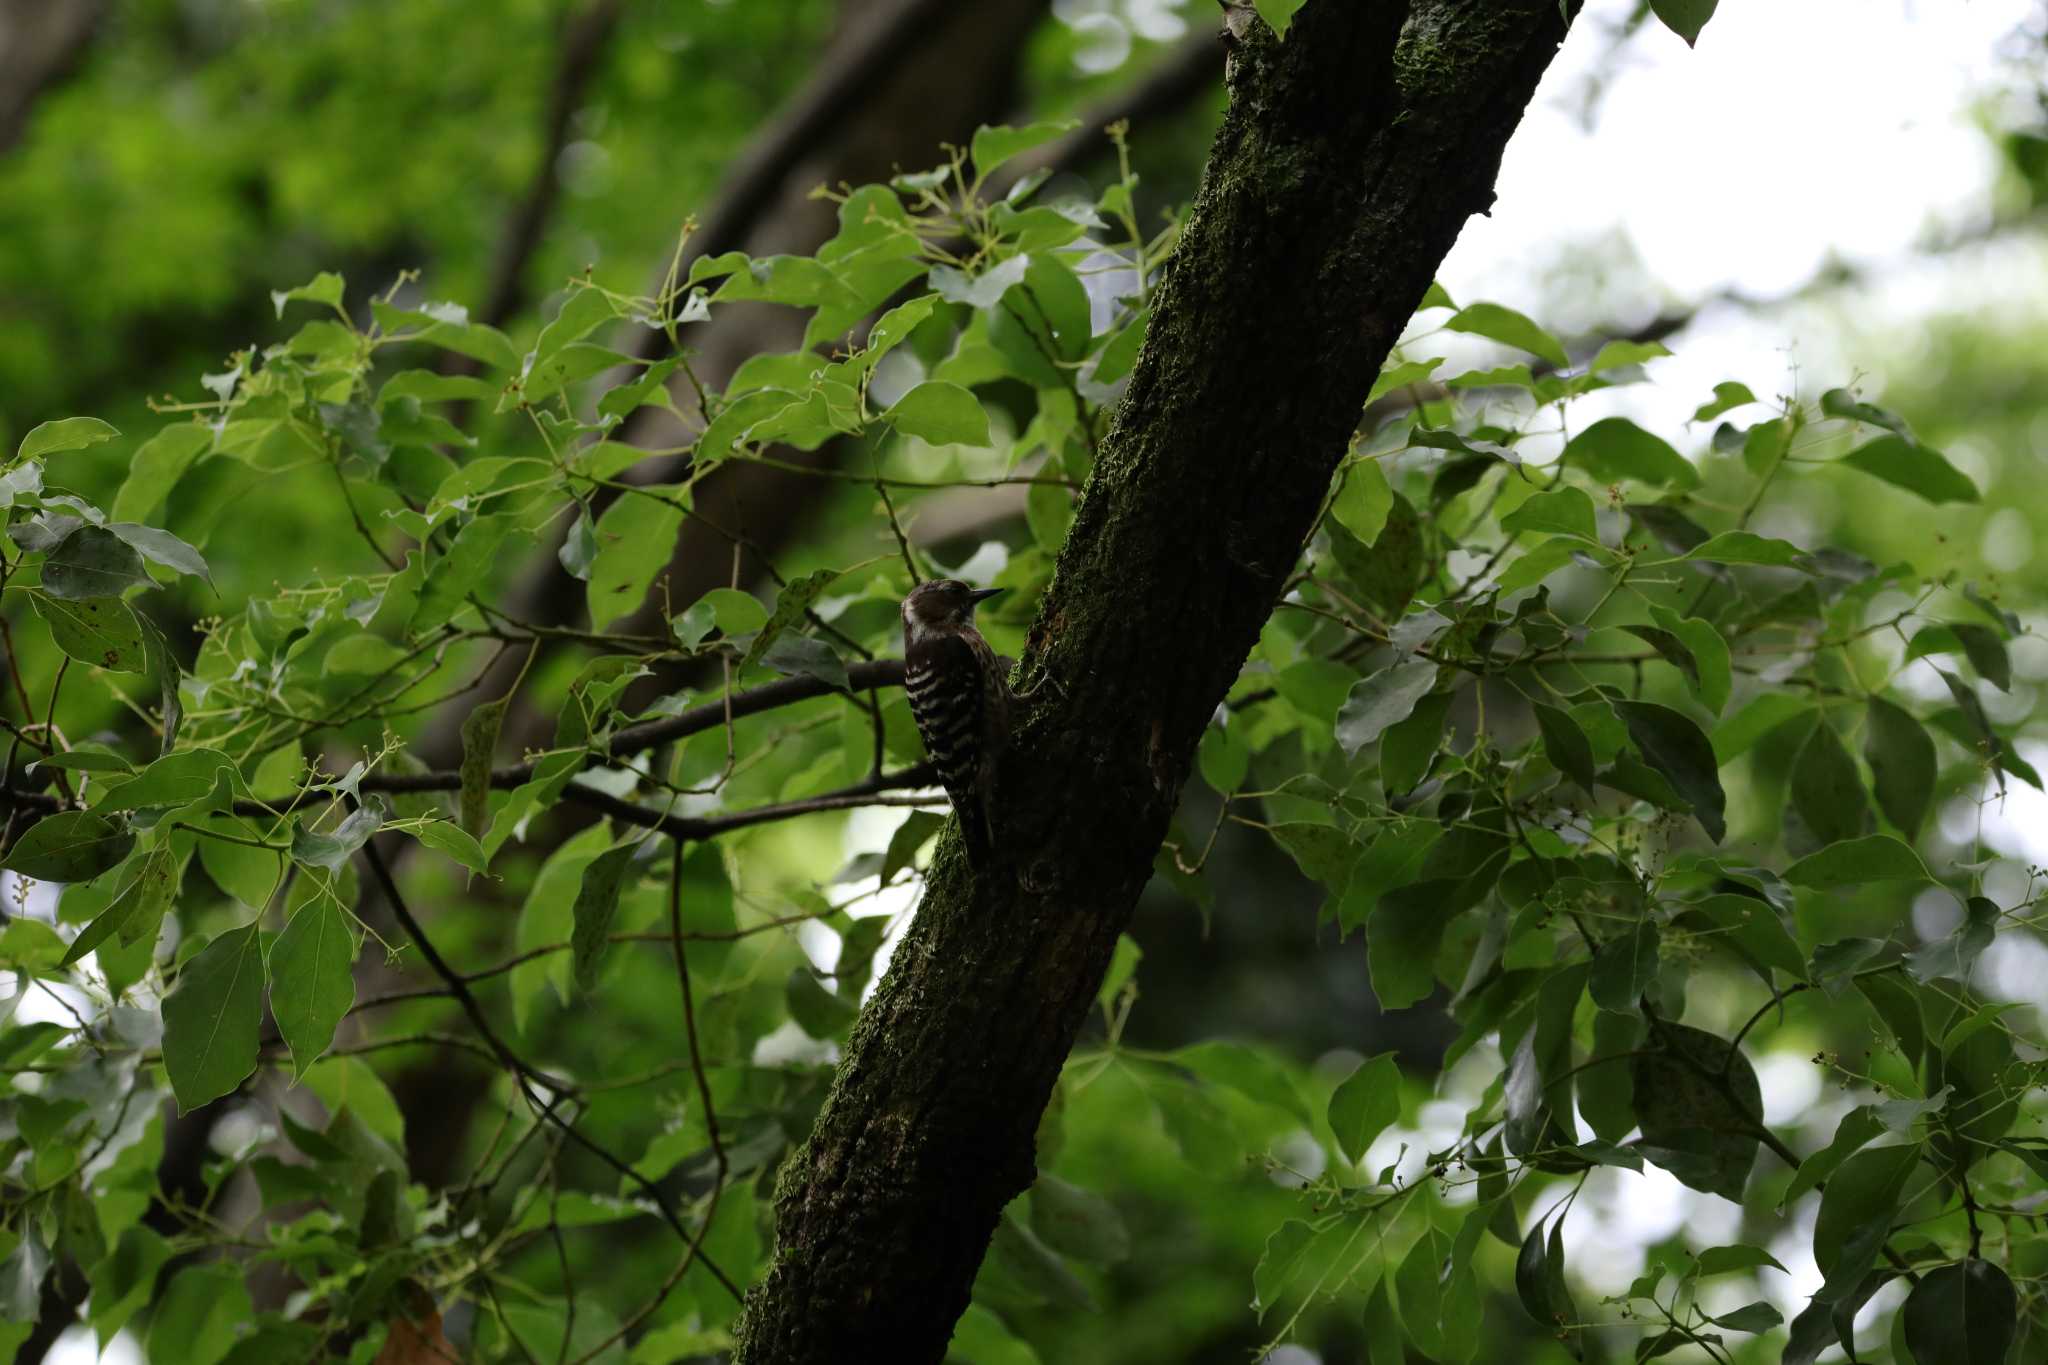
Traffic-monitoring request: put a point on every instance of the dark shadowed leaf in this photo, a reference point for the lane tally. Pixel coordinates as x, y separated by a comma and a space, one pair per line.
1624, 968
93, 562
1615, 449
597, 904
1677, 748
1827, 791
1874, 858
1565, 745
1916, 468
70, 846
1698, 1102
1962, 1314
1685, 18
1383, 699
311, 984
1856, 1212
1902, 764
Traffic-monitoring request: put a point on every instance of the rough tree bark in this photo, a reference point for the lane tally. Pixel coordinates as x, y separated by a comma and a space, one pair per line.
1352, 155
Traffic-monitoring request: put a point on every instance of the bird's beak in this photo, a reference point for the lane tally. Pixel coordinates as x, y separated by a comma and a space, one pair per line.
980, 595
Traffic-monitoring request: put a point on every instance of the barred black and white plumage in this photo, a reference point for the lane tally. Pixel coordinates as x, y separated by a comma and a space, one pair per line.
959, 698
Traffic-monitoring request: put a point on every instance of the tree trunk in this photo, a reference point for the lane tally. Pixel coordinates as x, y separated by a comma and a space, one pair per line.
1351, 156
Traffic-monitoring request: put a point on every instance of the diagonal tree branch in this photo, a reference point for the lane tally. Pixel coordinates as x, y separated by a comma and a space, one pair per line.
1350, 159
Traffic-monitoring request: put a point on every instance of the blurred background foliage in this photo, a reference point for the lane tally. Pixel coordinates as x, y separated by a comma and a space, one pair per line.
181, 159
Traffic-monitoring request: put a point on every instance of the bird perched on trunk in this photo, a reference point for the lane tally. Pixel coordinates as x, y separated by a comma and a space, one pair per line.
960, 697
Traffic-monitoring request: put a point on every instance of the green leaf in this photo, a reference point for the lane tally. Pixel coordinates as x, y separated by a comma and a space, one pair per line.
1675, 747
1381, 700
211, 1019
791, 604
1392, 567
332, 849
1077, 1222
1407, 746
450, 578
1985, 649
1721, 1260
736, 612
161, 547
994, 144
1916, 468
1419, 1286
1624, 968
1672, 650
70, 846
1751, 1317
479, 742
178, 778
597, 904
125, 1280
1874, 858
819, 1012
1827, 791
941, 413
635, 538
1727, 395
1223, 758
66, 433
136, 911
1363, 501
1714, 669
1538, 1090
201, 1315
454, 841
1747, 547
157, 467
1565, 511
1698, 1102
1505, 325
1961, 1314
1565, 744
1738, 734
1364, 1104
100, 631
1615, 449
1684, 17
325, 287
312, 981
93, 562
1902, 765
1856, 1212
1751, 927
979, 1338
1247, 1071
1615, 355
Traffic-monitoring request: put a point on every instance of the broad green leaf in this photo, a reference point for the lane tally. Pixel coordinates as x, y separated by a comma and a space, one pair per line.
70, 846
547, 917
1747, 547
979, 1338
66, 433
125, 1280
1223, 758
1919, 469
1505, 325
312, 981
1538, 1090
1616, 449
1874, 858
1961, 1314
211, 1019
1699, 1104
1565, 744
136, 911
161, 547
1684, 17
451, 577
1856, 1212
1323, 852
157, 467
1419, 1286
1738, 734
597, 904
736, 612
1077, 1222
1364, 1104
479, 743
995, 144
1615, 355
100, 631
1407, 746
791, 605
1752, 928
1363, 501
178, 778
1390, 569
1827, 791
941, 413
1727, 395
1563, 511
201, 1315
93, 562
1624, 968
818, 1011
454, 841
636, 537
1721, 1260
1675, 747
325, 287
1713, 667
1672, 650
1379, 701
1902, 764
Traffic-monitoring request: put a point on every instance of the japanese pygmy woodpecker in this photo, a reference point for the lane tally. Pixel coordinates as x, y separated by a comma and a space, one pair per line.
960, 698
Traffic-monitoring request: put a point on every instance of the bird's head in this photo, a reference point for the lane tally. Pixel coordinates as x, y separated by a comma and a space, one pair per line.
942, 604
